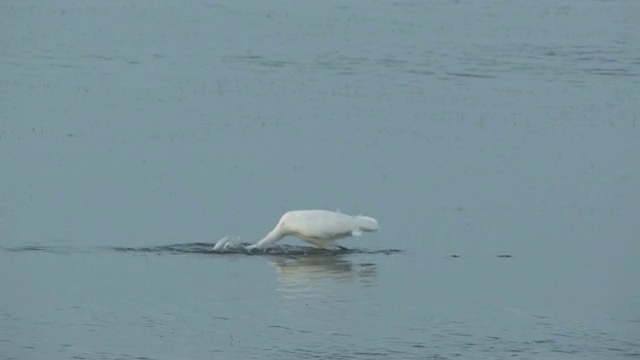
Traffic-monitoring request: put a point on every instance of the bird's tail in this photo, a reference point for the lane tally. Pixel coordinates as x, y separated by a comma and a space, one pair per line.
367, 223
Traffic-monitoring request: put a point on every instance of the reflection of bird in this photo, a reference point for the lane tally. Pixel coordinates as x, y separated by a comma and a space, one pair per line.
313, 267
318, 227
314, 275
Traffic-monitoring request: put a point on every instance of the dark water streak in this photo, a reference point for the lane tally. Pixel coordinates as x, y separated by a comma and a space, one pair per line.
201, 248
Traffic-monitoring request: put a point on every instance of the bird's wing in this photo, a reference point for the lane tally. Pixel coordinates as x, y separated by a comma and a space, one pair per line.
330, 226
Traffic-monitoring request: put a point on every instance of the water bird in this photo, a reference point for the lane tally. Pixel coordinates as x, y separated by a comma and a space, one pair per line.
320, 228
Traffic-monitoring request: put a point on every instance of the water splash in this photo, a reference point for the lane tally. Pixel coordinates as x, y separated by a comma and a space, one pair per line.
241, 248
196, 248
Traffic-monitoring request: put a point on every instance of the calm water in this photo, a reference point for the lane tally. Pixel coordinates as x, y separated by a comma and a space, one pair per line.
497, 143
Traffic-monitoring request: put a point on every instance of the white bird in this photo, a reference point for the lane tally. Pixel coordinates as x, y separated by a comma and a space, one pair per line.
318, 227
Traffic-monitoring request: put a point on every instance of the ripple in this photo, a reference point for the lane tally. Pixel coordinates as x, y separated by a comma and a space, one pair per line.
207, 248
198, 248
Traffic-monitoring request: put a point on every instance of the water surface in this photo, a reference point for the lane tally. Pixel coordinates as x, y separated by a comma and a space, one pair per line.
496, 143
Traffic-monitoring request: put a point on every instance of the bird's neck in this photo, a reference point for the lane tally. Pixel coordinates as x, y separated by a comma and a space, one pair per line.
273, 236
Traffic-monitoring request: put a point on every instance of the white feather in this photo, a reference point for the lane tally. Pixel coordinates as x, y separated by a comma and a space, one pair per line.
318, 227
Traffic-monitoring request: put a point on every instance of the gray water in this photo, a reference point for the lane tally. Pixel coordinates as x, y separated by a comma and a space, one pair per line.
496, 142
